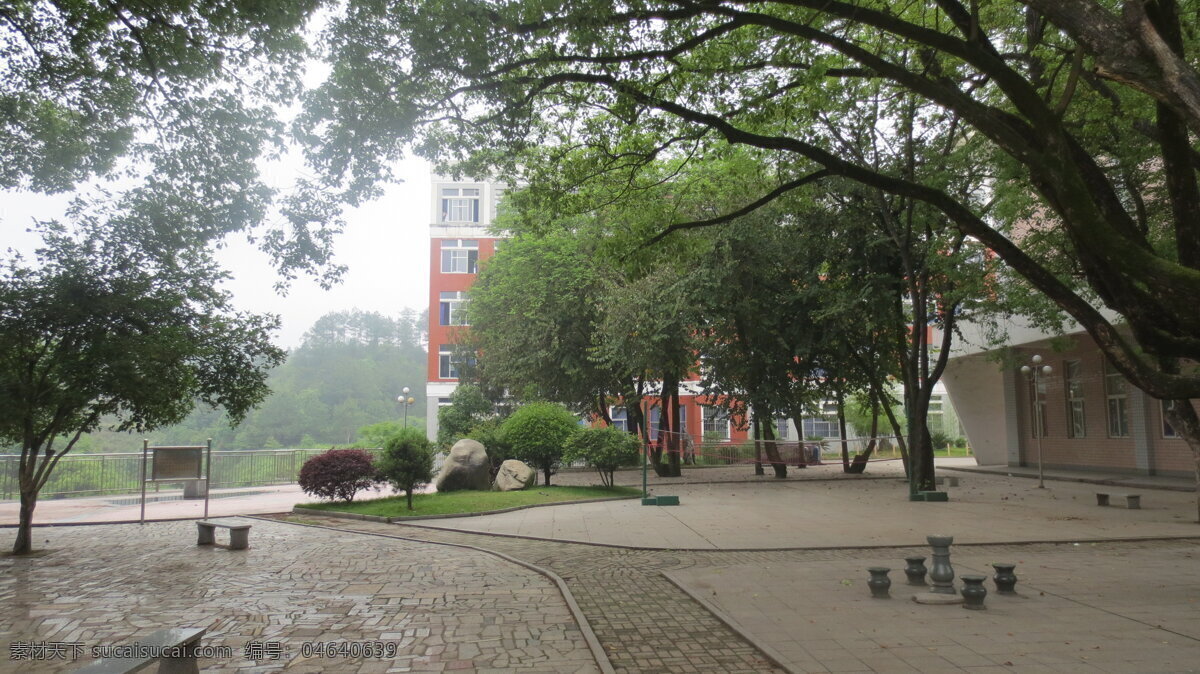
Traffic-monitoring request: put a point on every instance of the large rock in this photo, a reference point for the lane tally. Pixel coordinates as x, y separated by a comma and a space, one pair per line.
466, 467
514, 476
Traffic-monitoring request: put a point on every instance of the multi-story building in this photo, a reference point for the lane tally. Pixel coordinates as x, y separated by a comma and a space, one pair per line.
459, 240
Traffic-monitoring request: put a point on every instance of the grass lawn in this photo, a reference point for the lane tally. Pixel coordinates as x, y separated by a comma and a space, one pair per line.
463, 502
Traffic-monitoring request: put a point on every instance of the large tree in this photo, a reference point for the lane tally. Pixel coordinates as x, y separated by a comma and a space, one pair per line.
1087, 111
100, 332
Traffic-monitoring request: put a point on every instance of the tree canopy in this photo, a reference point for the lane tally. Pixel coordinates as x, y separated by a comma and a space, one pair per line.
1085, 114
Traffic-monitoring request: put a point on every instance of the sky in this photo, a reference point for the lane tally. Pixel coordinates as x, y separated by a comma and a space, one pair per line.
385, 246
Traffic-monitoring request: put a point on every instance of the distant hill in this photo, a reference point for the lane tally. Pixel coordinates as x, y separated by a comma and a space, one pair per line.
347, 374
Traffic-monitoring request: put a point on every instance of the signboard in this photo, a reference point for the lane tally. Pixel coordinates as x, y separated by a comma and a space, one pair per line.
177, 463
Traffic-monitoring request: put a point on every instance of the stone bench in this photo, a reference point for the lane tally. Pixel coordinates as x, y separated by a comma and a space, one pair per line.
239, 534
1132, 501
174, 649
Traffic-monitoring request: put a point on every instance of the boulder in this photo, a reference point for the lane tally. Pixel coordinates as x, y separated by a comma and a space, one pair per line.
514, 476
466, 467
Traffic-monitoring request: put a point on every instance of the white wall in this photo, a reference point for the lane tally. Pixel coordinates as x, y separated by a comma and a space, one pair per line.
976, 387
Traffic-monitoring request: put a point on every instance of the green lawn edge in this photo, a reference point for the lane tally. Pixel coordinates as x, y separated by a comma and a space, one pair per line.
465, 503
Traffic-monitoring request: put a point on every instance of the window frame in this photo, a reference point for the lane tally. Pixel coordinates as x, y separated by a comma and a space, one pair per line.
1118, 400
456, 251
459, 206
452, 310
447, 367
1076, 398
718, 414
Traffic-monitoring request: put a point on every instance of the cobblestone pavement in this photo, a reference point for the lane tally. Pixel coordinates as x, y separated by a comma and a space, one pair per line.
648, 624
444, 608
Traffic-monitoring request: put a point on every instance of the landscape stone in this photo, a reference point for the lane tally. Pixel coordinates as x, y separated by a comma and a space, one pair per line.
514, 476
466, 467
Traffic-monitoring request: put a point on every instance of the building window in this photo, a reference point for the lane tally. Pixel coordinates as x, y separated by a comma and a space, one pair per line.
447, 365
716, 423
445, 402
824, 426
460, 204
620, 417
1076, 424
781, 429
453, 308
656, 417
1116, 390
1168, 431
460, 256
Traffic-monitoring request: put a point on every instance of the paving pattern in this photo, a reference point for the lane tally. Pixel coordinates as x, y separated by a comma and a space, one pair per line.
1080, 610
443, 608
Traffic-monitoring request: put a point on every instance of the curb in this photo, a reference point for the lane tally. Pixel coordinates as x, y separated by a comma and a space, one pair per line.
401, 520
585, 628
1122, 482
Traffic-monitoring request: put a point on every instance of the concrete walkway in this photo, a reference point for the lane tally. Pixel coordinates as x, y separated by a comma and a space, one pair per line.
851, 512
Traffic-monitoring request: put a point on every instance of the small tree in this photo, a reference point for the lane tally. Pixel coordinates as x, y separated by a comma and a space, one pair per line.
101, 332
538, 433
337, 475
467, 409
605, 449
407, 462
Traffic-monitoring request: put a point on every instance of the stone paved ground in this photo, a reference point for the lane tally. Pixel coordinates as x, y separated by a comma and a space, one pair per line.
1080, 609
445, 608
644, 622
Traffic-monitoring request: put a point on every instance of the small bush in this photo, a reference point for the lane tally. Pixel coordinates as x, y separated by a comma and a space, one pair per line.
407, 462
488, 434
537, 433
337, 475
939, 440
605, 449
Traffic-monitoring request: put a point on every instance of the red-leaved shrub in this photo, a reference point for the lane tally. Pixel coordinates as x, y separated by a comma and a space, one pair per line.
337, 475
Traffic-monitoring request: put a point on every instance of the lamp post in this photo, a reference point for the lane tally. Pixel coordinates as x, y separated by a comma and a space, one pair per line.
1036, 373
405, 400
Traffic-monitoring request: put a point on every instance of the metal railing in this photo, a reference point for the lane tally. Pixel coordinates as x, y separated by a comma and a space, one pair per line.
99, 474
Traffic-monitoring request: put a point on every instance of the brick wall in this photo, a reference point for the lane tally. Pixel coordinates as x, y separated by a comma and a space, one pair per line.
1143, 450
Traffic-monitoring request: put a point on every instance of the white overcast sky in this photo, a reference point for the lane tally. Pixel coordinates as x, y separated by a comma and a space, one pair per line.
385, 246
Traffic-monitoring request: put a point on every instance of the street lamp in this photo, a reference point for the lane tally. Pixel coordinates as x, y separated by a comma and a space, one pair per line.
405, 400
1036, 373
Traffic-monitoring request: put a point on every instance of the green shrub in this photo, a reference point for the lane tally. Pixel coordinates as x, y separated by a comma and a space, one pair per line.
406, 462
489, 434
939, 440
538, 433
338, 475
605, 449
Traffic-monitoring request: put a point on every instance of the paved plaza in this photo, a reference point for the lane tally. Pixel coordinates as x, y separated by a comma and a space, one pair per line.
444, 608
748, 574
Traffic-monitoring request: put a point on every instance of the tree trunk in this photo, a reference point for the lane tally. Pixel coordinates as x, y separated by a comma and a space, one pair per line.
1182, 417
841, 415
24, 543
757, 430
675, 433
859, 464
408, 494
773, 455
546, 470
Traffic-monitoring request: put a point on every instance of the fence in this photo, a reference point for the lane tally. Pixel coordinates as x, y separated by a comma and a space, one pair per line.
98, 474
709, 453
